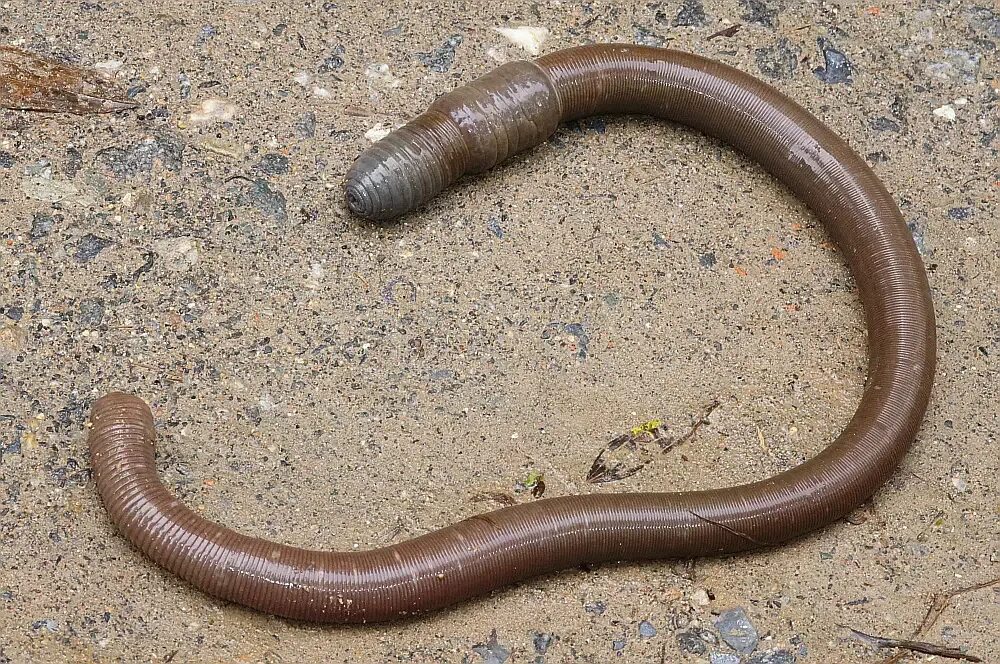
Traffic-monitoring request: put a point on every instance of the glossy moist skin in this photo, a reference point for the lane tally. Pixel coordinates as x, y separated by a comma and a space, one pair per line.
468, 130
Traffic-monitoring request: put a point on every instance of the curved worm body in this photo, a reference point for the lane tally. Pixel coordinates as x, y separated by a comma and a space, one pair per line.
469, 130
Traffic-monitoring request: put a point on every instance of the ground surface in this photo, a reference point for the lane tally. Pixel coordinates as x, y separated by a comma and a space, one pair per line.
330, 383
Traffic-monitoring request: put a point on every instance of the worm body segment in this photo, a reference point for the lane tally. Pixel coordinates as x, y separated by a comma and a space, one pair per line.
467, 131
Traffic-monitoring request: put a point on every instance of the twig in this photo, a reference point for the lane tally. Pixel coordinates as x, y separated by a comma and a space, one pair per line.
939, 603
727, 528
697, 425
914, 646
725, 32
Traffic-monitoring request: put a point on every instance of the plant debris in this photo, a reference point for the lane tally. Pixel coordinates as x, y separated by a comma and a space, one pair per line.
725, 32
914, 646
938, 605
634, 444
533, 481
31, 82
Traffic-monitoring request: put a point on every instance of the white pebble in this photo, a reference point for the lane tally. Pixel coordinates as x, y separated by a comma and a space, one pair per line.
303, 78
378, 132
379, 76
497, 54
179, 254
109, 66
213, 110
700, 597
947, 112
316, 274
528, 37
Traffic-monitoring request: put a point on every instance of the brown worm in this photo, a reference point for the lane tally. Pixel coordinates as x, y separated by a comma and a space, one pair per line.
469, 130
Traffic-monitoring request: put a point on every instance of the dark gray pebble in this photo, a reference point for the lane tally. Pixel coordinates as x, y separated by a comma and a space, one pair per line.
442, 58
541, 642
885, 124
491, 651
46, 624
596, 608
778, 61
7, 160
306, 126
260, 195
646, 37
837, 68
14, 312
772, 657
91, 312
165, 148
273, 164
89, 246
986, 20
41, 225
759, 12
960, 213
691, 642
334, 61
691, 14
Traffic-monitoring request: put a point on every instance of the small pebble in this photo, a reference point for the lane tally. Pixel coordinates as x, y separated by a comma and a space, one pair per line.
530, 38
541, 641
334, 61
690, 14
723, 658
379, 76
89, 246
736, 630
646, 629
947, 112
492, 651
47, 624
700, 597
779, 61
378, 132
306, 125
689, 641
885, 124
442, 58
273, 164
264, 198
837, 68
772, 657
213, 110
91, 312
179, 254
760, 12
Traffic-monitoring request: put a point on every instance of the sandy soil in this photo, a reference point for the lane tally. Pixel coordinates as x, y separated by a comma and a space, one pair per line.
329, 383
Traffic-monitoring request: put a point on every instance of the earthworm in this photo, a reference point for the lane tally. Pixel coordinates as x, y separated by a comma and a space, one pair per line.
469, 130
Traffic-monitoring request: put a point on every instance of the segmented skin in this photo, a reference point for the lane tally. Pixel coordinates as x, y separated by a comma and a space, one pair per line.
470, 130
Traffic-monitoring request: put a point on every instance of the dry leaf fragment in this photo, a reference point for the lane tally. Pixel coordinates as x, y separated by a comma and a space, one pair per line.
36, 83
